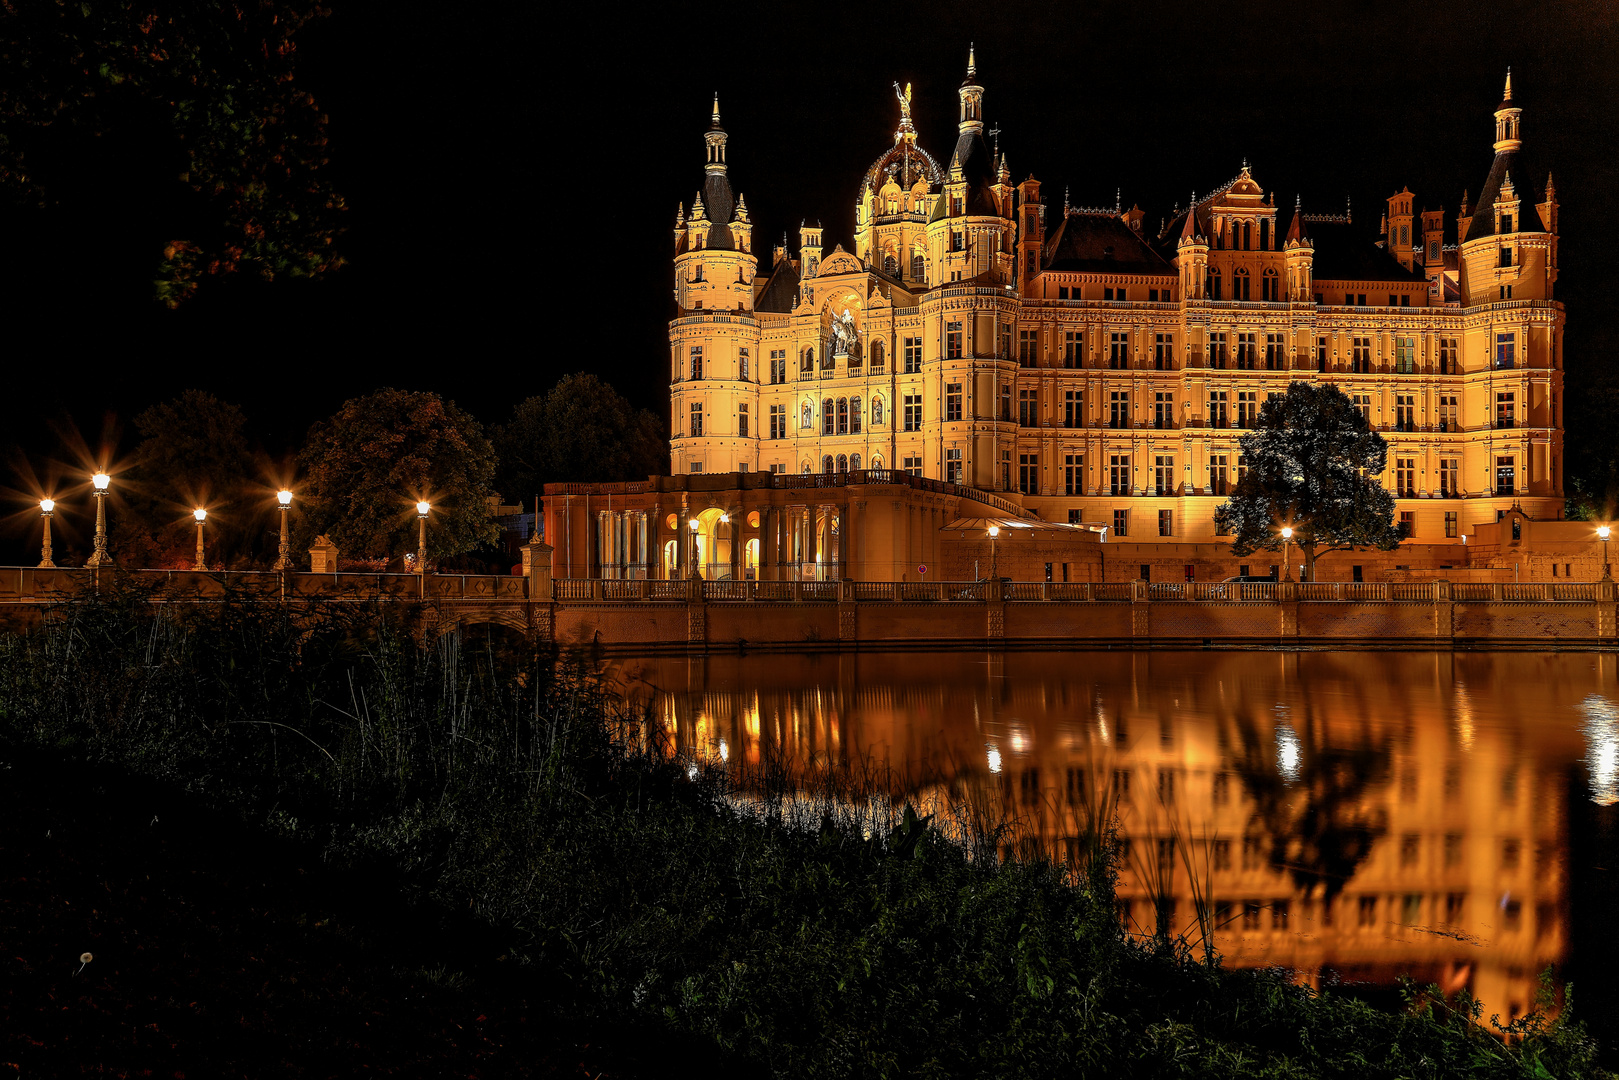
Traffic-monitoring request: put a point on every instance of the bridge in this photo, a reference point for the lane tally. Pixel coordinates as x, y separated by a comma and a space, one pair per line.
639, 616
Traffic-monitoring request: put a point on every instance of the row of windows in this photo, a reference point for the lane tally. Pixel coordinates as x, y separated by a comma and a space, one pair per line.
1120, 294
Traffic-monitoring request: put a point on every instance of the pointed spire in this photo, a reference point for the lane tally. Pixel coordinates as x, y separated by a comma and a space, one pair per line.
1295, 231
1189, 230
1506, 95
1118, 201
1065, 199
1551, 189
680, 215
742, 208
972, 63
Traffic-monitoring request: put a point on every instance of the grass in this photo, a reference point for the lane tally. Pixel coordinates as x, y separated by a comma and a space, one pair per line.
819, 932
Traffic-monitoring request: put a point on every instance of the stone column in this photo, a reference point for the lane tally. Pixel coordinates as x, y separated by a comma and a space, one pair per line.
1287, 599
1140, 613
1606, 590
537, 569
1444, 611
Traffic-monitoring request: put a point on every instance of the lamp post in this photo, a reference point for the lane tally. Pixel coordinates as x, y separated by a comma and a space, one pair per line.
99, 555
423, 508
1607, 571
46, 506
284, 559
994, 531
694, 562
202, 516
1287, 566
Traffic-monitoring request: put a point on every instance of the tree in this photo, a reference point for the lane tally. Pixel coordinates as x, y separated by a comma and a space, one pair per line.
193, 452
1313, 464
220, 78
583, 430
367, 465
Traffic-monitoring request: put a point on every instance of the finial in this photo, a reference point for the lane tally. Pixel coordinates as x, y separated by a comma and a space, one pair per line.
1065, 198
1507, 96
716, 116
1245, 163
1297, 203
972, 62
1118, 205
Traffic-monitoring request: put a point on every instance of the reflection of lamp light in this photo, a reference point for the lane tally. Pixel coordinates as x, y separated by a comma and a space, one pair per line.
994, 760
1602, 748
1288, 753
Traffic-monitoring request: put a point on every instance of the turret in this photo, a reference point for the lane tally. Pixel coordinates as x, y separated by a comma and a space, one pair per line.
1192, 257
809, 249
1031, 229
972, 98
1508, 137
1400, 221
1300, 251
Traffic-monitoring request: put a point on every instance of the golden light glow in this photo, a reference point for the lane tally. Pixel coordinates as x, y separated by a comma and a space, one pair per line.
1287, 532
200, 514
423, 508
994, 530
1602, 532
101, 480
47, 505
284, 497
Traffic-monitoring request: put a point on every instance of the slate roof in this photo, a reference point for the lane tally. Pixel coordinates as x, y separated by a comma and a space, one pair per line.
1529, 192
780, 290
1343, 252
1100, 243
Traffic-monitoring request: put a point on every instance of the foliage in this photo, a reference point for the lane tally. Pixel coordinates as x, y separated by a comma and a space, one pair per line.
223, 78
581, 430
1313, 463
367, 465
834, 939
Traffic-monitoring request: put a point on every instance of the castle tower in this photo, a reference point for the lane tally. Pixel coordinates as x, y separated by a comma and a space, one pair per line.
714, 336
1400, 227
1300, 260
891, 214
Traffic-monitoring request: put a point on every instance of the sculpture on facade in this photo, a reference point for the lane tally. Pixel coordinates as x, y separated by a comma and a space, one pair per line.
844, 336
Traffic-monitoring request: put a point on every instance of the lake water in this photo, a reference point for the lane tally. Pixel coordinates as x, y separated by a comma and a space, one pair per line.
1352, 816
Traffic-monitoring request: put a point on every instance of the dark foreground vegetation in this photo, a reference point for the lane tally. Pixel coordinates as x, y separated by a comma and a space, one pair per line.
431, 808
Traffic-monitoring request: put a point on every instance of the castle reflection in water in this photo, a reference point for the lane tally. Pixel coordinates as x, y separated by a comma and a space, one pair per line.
1359, 815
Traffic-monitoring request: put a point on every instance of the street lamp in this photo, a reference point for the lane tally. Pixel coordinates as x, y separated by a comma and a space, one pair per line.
1287, 567
46, 506
284, 559
99, 555
1607, 571
994, 531
423, 508
202, 516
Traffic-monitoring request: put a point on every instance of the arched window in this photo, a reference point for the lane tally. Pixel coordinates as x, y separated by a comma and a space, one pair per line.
1239, 285
806, 362
918, 267
854, 462
854, 415
1247, 236
1270, 287
1214, 285
876, 413
878, 357
843, 416
826, 417
843, 463
890, 265
826, 464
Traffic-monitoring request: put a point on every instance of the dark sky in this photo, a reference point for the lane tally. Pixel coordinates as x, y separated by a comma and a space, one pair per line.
513, 174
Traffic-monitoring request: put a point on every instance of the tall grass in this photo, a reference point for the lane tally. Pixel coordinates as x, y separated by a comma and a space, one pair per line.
788, 923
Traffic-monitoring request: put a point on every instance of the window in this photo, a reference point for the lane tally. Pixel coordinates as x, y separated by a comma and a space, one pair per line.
1239, 285
1504, 477
890, 264
955, 234
1006, 343
843, 463
1506, 294
1405, 478
1163, 409
1270, 287
828, 464
778, 366
1405, 412
1448, 362
1505, 410
913, 355
952, 401
1321, 354
1242, 468
879, 358
1119, 474
854, 415
1026, 348
913, 412
1062, 292
778, 468
1506, 256
1405, 356
1354, 299
742, 421
1368, 911
1028, 408
696, 427
952, 466
1073, 408
912, 465
828, 417
1275, 357
694, 466
1163, 475
1121, 523
918, 267
1118, 351
1448, 413
806, 362
742, 365
876, 412
696, 362
1219, 477
1245, 352
1153, 294
843, 416
1006, 470
1361, 355
1247, 408
1217, 409
1217, 351
952, 341
1449, 477
1163, 352
1028, 474
1450, 524
1113, 294
1118, 409
1073, 349
1506, 351
1074, 474
1214, 285
1408, 524
778, 421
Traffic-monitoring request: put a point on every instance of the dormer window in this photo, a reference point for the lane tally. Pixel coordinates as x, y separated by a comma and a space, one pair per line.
1107, 253
1506, 256
1506, 224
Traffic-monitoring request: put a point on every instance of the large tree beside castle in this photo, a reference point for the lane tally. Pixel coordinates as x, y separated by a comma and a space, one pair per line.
1313, 463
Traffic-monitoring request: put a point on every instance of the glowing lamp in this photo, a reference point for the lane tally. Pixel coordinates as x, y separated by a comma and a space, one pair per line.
101, 480
423, 508
1602, 532
994, 530
693, 524
200, 514
1287, 532
47, 505
284, 497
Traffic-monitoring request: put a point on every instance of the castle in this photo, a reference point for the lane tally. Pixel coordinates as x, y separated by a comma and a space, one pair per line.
1074, 369
1103, 372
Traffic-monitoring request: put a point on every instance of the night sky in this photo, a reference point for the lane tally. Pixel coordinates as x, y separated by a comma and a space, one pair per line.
513, 177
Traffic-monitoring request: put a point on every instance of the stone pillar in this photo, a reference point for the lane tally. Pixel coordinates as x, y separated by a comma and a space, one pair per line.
537, 569
1140, 610
696, 615
1287, 600
1444, 611
1606, 590
323, 556
848, 612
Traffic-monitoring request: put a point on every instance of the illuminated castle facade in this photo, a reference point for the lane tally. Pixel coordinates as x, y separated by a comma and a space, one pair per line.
1095, 372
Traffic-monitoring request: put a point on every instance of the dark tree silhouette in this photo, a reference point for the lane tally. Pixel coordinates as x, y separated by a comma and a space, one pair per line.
582, 429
